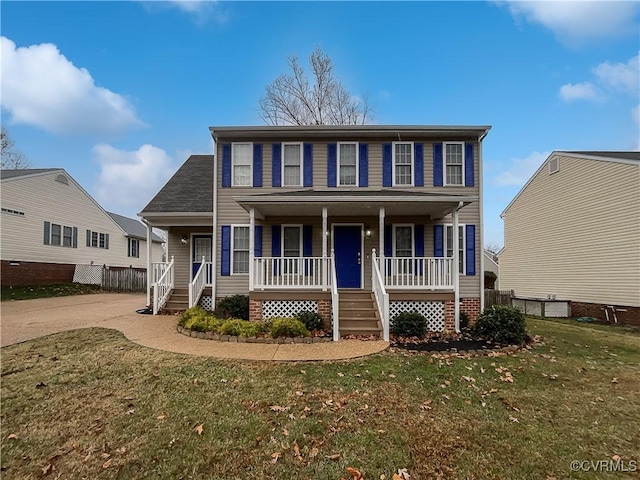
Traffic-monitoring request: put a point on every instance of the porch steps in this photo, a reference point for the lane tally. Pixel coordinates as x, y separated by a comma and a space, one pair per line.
358, 314
178, 301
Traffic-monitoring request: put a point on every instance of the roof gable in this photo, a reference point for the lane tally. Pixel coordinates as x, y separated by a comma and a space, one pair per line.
133, 227
25, 172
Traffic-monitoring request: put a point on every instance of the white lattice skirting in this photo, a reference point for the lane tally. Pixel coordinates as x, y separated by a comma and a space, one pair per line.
432, 311
88, 274
287, 308
206, 303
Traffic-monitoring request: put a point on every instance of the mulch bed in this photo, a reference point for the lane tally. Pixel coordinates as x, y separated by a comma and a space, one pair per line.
450, 343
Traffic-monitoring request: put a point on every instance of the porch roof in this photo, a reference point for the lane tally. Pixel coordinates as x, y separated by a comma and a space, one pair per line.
352, 203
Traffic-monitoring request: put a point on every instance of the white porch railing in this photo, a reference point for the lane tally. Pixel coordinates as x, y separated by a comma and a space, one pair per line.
163, 287
196, 287
157, 269
431, 273
335, 299
290, 273
380, 294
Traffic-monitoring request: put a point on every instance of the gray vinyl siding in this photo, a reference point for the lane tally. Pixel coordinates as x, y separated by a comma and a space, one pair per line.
576, 234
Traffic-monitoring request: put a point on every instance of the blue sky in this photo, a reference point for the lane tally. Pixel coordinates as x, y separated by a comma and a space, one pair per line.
120, 93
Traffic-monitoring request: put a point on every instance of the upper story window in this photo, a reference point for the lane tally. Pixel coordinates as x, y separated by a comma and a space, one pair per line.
403, 163
134, 248
97, 239
60, 235
292, 164
348, 164
242, 161
454, 163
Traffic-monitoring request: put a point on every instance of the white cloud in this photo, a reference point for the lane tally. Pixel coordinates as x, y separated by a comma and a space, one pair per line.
200, 10
578, 91
129, 179
41, 87
620, 76
520, 170
576, 22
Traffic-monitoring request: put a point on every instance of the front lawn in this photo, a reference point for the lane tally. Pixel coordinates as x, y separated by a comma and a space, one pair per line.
28, 292
91, 404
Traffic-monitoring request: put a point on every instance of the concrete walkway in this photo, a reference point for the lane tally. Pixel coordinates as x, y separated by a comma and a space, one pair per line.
27, 319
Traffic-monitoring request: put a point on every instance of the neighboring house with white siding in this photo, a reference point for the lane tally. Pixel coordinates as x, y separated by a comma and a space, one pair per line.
50, 224
352, 222
491, 265
573, 233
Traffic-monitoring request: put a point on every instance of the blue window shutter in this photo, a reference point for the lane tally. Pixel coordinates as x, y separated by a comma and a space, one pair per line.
471, 249
387, 167
226, 165
438, 240
74, 243
418, 159
88, 238
275, 240
388, 239
437, 165
225, 251
307, 247
257, 240
307, 151
468, 165
418, 232
332, 160
257, 165
363, 173
276, 167
47, 233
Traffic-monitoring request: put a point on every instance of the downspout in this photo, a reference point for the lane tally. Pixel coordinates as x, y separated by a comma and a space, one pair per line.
149, 250
480, 193
214, 242
456, 268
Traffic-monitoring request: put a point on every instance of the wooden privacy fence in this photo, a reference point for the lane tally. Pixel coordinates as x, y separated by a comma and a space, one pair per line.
130, 279
497, 297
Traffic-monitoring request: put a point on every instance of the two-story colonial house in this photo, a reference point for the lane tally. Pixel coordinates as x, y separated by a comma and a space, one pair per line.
357, 223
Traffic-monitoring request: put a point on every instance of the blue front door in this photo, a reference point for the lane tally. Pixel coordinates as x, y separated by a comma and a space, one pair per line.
201, 247
347, 243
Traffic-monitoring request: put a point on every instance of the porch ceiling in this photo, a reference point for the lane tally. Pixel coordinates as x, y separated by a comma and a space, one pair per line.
353, 203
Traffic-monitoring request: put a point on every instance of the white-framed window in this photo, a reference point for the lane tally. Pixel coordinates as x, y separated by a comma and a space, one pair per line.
448, 245
292, 164
56, 234
59, 235
403, 163
348, 164
454, 163
97, 239
403, 246
134, 248
242, 164
291, 246
239, 249
67, 236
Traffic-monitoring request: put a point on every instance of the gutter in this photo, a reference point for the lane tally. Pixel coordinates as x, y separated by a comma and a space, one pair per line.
214, 242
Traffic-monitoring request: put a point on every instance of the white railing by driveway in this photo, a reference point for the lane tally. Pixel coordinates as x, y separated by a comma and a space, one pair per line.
431, 273
196, 287
380, 294
335, 299
157, 269
290, 273
163, 287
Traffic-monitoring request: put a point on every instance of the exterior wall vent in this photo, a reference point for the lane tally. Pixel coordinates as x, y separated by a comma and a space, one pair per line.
554, 165
62, 179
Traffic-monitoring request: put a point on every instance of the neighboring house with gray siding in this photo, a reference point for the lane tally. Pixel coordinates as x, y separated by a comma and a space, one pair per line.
50, 224
573, 233
353, 222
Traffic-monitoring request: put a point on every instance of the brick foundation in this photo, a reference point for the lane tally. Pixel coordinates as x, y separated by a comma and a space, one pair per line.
450, 315
35, 273
324, 310
255, 310
596, 310
470, 306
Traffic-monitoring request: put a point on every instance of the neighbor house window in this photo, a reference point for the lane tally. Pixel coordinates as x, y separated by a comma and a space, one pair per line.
242, 160
448, 245
97, 239
292, 164
240, 249
56, 234
67, 236
60, 235
134, 248
403, 163
454, 163
348, 164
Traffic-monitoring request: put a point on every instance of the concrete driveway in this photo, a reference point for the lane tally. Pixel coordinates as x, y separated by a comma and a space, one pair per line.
27, 319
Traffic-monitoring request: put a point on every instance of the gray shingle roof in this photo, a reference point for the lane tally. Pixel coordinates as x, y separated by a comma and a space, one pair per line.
631, 155
24, 171
189, 190
133, 227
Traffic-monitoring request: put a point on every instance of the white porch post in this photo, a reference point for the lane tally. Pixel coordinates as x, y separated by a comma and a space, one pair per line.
383, 264
325, 262
149, 269
252, 240
456, 271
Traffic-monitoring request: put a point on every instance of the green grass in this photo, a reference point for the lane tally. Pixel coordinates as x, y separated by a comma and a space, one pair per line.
29, 292
91, 404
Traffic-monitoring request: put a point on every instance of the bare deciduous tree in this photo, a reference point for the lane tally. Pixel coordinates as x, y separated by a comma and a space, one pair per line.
293, 100
10, 157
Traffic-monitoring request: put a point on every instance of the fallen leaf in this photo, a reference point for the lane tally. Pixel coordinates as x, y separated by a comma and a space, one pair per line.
313, 452
278, 408
303, 372
614, 380
162, 416
355, 474
296, 451
285, 432
340, 374
391, 375
299, 393
616, 458
12, 436
514, 419
131, 411
107, 464
47, 468
275, 456
333, 457
105, 455
121, 450
403, 474
199, 429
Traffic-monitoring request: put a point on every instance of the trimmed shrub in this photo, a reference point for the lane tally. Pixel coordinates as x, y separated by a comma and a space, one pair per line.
233, 326
203, 323
288, 327
189, 313
311, 320
409, 324
235, 306
501, 324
